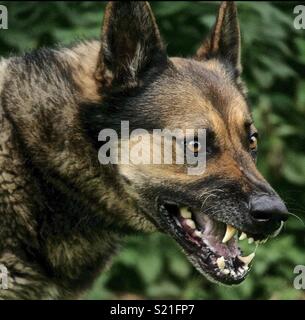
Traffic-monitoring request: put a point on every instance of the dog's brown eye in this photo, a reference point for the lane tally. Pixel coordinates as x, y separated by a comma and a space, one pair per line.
253, 142
253, 146
194, 146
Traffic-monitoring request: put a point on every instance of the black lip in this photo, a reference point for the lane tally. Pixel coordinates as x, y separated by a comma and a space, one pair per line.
200, 256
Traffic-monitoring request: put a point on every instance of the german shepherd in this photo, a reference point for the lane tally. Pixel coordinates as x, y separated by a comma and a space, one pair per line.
63, 214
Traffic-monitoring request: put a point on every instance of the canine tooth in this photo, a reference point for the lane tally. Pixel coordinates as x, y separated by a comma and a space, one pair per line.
185, 213
221, 263
246, 260
250, 240
243, 236
226, 271
190, 223
229, 233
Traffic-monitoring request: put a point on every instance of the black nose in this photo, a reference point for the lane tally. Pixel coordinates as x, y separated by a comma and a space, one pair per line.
266, 208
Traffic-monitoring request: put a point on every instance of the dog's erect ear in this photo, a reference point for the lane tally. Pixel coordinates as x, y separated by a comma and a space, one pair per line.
224, 41
131, 44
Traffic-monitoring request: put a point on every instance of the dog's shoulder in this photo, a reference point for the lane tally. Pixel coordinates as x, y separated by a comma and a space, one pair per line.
40, 95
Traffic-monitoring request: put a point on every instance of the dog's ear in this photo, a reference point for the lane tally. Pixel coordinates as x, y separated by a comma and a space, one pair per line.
131, 44
224, 41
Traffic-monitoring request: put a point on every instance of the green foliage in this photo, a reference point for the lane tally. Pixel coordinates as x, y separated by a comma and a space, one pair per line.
274, 60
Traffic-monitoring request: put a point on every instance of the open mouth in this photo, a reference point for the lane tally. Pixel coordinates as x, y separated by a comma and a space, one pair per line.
212, 246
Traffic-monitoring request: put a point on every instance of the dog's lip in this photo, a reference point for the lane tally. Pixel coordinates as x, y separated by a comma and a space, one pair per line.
203, 257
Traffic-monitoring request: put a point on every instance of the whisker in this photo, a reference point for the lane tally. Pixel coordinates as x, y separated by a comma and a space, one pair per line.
297, 217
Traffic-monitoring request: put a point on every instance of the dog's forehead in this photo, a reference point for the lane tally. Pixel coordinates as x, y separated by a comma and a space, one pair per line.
201, 94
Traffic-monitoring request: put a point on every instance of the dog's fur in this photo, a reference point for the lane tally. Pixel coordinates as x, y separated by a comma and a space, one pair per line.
63, 214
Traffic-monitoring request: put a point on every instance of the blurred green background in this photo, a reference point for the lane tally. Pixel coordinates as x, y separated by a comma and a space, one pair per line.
152, 266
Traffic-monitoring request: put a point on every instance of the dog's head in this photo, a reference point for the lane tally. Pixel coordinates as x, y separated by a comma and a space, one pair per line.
204, 213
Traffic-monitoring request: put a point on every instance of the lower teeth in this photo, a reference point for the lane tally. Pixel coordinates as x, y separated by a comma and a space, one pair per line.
221, 263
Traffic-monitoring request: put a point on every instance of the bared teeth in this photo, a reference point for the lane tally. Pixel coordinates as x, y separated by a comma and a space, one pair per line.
197, 234
221, 263
226, 271
190, 223
246, 260
185, 213
229, 233
243, 236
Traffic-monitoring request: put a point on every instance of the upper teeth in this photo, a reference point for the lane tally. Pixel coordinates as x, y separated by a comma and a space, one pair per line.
190, 223
197, 234
229, 233
242, 236
185, 213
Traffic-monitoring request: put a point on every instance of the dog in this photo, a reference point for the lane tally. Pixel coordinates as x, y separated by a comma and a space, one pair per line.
64, 214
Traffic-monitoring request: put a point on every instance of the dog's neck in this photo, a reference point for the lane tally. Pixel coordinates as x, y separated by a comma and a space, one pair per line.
75, 189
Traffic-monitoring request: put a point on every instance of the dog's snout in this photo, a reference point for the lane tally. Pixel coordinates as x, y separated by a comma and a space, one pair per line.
268, 209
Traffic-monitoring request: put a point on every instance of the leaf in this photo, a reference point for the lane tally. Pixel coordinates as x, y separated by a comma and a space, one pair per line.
294, 170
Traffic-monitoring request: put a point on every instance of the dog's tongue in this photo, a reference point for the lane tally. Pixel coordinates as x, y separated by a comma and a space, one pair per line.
213, 233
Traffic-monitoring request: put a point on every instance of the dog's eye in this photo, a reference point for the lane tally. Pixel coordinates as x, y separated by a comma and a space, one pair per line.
253, 142
194, 146
253, 146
